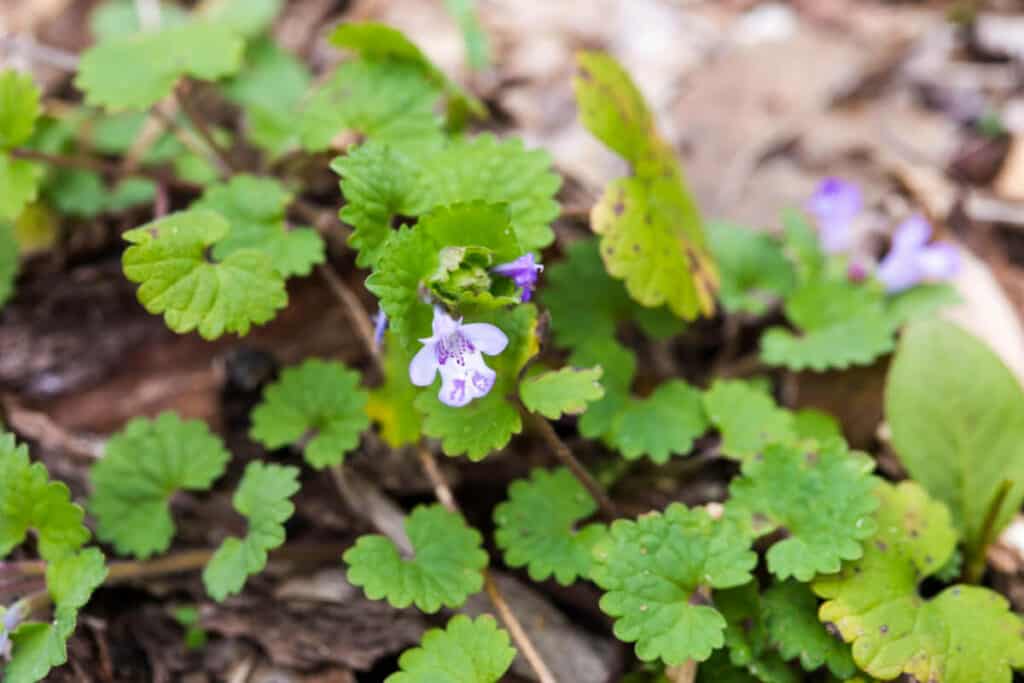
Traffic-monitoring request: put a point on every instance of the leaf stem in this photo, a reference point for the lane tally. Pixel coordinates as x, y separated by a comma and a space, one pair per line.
975, 568
608, 510
223, 157
101, 167
354, 309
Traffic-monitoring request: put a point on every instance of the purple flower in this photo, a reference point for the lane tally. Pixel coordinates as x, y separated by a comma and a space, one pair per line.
911, 260
12, 618
456, 351
523, 271
380, 323
834, 205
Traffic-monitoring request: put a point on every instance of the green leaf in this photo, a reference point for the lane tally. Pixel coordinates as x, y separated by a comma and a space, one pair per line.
116, 18
387, 102
145, 464
478, 49
651, 569
562, 392
9, 261
822, 498
488, 423
248, 18
961, 635
75, 192
29, 500
263, 499
39, 647
318, 402
802, 245
662, 425
19, 108
136, 71
270, 87
391, 405
167, 257
379, 42
746, 639
957, 419
791, 620
747, 418
255, 207
619, 365
840, 324
467, 651
537, 526
446, 567
919, 302
753, 268
19, 185
381, 182
651, 231
412, 259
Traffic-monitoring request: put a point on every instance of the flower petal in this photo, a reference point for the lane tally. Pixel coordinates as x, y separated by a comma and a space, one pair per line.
939, 261
900, 269
486, 337
423, 366
912, 233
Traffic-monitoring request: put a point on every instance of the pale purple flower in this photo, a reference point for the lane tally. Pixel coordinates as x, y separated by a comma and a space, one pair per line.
912, 260
834, 205
380, 323
456, 351
523, 271
12, 618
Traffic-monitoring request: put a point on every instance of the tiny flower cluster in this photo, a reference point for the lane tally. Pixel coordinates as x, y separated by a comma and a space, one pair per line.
911, 260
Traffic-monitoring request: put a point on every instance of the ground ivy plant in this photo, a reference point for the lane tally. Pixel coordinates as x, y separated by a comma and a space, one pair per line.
811, 564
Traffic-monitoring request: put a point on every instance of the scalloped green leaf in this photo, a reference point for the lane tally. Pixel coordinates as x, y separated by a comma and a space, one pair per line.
958, 426
790, 613
745, 637
143, 465
619, 366
562, 392
478, 48
413, 258
39, 647
10, 261
821, 497
390, 103
262, 498
255, 207
270, 88
248, 18
919, 302
466, 651
537, 526
167, 258
446, 567
651, 569
662, 425
652, 236
382, 182
19, 108
487, 424
747, 418
838, 323
115, 18
963, 634
136, 71
19, 185
319, 403
753, 268
380, 42
30, 501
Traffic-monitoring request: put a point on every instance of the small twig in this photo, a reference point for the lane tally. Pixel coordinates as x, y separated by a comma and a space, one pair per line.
441, 489
607, 508
223, 157
355, 311
25, 46
40, 427
103, 167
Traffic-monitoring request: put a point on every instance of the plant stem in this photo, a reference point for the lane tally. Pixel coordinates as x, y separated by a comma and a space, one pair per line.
226, 163
355, 311
101, 167
508, 617
975, 568
562, 451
